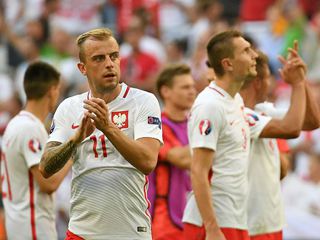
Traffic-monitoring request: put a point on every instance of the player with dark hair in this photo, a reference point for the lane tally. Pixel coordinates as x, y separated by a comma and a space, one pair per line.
28, 203
219, 135
170, 181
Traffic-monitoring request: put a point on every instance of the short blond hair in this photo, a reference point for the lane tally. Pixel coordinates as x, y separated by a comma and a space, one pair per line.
98, 33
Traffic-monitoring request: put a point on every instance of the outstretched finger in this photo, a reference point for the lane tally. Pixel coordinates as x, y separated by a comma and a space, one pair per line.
282, 60
296, 45
292, 53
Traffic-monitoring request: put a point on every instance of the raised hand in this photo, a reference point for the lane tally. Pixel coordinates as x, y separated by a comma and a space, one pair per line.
98, 113
294, 69
85, 129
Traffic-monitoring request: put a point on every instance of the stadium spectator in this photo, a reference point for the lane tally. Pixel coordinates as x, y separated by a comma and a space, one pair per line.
208, 14
76, 16
113, 133
176, 51
177, 25
139, 67
126, 10
301, 199
147, 44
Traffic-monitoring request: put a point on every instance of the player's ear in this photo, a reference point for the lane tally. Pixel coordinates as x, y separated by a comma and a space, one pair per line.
164, 91
82, 68
227, 64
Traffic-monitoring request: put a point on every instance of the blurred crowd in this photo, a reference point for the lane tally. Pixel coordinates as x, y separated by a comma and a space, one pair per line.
154, 34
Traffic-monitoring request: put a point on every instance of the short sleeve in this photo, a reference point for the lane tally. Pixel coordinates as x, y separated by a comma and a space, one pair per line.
148, 119
268, 109
205, 123
61, 128
32, 144
256, 122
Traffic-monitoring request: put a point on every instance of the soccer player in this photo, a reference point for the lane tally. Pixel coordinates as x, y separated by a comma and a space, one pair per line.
113, 133
265, 207
27, 195
170, 181
219, 135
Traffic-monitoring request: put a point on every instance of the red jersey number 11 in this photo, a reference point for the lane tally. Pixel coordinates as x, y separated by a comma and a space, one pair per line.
102, 140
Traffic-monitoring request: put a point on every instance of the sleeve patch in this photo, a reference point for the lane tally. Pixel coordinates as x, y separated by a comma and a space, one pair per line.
34, 145
252, 119
155, 121
205, 127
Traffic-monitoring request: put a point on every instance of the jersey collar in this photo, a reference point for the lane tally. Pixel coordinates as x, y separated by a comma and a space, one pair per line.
213, 86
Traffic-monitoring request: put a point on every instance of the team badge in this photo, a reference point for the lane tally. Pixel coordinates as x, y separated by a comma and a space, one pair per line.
34, 145
155, 121
252, 119
205, 127
120, 119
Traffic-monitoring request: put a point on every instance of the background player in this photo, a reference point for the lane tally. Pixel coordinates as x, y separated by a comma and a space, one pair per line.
220, 137
170, 181
265, 211
27, 195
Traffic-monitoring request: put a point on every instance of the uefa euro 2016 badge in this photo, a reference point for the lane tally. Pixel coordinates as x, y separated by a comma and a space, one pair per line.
34, 145
251, 119
205, 127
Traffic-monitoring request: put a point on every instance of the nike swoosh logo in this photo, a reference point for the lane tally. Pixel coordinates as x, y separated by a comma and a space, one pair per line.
232, 122
74, 126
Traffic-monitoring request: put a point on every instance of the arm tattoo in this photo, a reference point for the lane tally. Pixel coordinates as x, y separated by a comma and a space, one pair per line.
56, 155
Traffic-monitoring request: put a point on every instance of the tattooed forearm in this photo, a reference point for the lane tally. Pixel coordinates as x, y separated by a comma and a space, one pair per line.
56, 156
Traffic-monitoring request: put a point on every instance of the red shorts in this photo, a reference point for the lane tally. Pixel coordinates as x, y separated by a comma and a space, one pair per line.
72, 236
193, 232
268, 236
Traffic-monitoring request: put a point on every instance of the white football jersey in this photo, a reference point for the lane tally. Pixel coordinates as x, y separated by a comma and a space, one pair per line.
108, 194
218, 122
265, 207
29, 213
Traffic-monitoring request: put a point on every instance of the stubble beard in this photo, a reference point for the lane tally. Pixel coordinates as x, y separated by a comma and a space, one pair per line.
251, 76
108, 89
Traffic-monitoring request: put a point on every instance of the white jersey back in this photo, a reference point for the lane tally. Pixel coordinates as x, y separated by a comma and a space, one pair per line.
217, 122
265, 211
29, 213
108, 194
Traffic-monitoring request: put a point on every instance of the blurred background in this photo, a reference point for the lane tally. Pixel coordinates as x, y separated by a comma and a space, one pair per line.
152, 34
